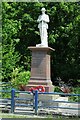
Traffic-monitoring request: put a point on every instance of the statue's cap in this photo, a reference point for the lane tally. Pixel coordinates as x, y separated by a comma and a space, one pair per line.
43, 9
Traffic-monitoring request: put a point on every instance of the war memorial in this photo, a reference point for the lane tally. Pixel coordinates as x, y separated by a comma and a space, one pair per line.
40, 64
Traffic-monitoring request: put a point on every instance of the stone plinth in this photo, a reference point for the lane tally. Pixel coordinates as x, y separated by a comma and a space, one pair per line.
40, 68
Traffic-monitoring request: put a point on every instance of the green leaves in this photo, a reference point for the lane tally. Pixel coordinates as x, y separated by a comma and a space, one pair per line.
19, 29
52, 38
10, 30
19, 77
27, 17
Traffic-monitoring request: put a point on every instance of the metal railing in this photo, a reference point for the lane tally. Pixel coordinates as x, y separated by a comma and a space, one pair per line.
20, 102
57, 101
15, 100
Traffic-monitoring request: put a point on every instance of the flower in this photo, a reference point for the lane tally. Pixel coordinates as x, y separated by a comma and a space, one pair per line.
65, 89
39, 88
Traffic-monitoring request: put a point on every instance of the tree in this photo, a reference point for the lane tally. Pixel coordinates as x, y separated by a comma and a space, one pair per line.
10, 29
66, 35
20, 31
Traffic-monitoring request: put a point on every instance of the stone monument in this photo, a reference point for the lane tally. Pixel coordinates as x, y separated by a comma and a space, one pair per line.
40, 64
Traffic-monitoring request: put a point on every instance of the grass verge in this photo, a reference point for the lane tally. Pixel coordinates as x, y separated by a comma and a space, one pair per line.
36, 117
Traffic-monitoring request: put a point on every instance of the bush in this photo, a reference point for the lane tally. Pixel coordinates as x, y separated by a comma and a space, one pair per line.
57, 89
76, 90
20, 78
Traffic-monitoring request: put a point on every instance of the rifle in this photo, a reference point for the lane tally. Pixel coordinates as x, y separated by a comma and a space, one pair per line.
42, 32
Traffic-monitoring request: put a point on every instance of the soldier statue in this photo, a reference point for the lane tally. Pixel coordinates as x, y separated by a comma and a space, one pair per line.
43, 19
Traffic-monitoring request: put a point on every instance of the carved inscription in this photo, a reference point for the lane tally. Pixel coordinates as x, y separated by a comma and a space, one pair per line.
39, 64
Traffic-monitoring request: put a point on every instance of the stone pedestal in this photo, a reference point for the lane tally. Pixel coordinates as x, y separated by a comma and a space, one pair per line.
40, 68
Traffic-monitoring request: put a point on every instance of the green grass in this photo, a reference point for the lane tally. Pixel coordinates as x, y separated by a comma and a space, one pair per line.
36, 117
5, 115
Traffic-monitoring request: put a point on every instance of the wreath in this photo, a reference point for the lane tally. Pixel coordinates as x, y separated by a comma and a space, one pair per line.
39, 88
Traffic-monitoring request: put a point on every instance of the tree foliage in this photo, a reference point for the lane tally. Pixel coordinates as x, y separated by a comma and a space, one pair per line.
20, 31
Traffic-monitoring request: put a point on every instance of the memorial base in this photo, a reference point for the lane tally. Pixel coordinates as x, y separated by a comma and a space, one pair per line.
40, 68
47, 88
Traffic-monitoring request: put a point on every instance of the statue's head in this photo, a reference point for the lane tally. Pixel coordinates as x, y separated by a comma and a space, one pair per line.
43, 10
